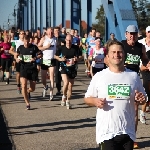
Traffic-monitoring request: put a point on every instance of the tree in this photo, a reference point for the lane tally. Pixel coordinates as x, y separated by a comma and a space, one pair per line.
100, 20
142, 14
135, 8
141, 9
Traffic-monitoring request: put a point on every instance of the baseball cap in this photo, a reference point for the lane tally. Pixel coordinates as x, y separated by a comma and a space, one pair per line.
148, 29
131, 28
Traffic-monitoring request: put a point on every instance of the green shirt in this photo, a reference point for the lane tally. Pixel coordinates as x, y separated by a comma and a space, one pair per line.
13, 44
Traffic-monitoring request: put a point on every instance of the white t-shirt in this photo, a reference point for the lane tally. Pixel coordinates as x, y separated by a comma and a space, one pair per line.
118, 115
18, 43
142, 41
50, 52
98, 56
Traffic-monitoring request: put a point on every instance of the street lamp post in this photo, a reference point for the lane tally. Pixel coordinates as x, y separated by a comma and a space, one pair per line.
14, 14
8, 22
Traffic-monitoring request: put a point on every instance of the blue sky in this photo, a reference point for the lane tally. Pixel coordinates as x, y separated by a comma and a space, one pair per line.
7, 6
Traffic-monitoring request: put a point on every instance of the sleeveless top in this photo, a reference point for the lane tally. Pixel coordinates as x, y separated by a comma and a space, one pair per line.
133, 55
98, 58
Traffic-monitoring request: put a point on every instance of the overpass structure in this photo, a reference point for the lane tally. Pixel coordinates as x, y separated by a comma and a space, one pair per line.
33, 14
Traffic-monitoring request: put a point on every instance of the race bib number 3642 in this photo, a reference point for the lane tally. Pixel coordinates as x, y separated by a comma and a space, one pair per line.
119, 91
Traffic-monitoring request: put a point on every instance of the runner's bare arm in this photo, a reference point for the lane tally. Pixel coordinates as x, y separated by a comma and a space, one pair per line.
42, 48
143, 68
12, 50
16, 55
41, 42
60, 58
93, 101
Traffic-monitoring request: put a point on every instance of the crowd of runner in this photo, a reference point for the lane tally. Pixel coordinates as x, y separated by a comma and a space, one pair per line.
55, 53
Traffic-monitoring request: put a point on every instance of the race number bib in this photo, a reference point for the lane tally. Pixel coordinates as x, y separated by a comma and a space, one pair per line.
132, 59
6, 52
99, 61
119, 91
70, 62
27, 58
47, 62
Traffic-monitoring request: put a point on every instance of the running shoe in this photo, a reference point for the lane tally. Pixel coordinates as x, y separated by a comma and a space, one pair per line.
28, 107
68, 105
86, 70
142, 117
44, 91
51, 97
63, 101
19, 90
7, 81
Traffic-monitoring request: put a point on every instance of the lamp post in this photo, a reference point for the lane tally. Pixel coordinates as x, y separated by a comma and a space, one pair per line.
14, 14
8, 22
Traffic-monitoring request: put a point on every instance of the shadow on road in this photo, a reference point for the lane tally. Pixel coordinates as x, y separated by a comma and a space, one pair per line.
70, 124
144, 144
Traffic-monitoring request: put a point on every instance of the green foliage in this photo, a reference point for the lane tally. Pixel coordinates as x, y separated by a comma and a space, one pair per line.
100, 20
142, 12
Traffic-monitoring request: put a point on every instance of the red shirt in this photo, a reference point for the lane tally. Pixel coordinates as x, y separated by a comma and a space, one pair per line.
5, 52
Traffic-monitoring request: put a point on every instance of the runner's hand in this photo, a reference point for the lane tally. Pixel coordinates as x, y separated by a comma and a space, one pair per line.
139, 97
63, 58
99, 102
17, 60
75, 58
32, 60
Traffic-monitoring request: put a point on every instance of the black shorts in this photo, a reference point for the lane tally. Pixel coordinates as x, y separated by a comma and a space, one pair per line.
18, 67
45, 67
71, 73
95, 70
29, 73
119, 142
6, 63
146, 85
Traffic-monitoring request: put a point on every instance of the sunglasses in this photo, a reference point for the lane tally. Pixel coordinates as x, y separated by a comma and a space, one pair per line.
133, 33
